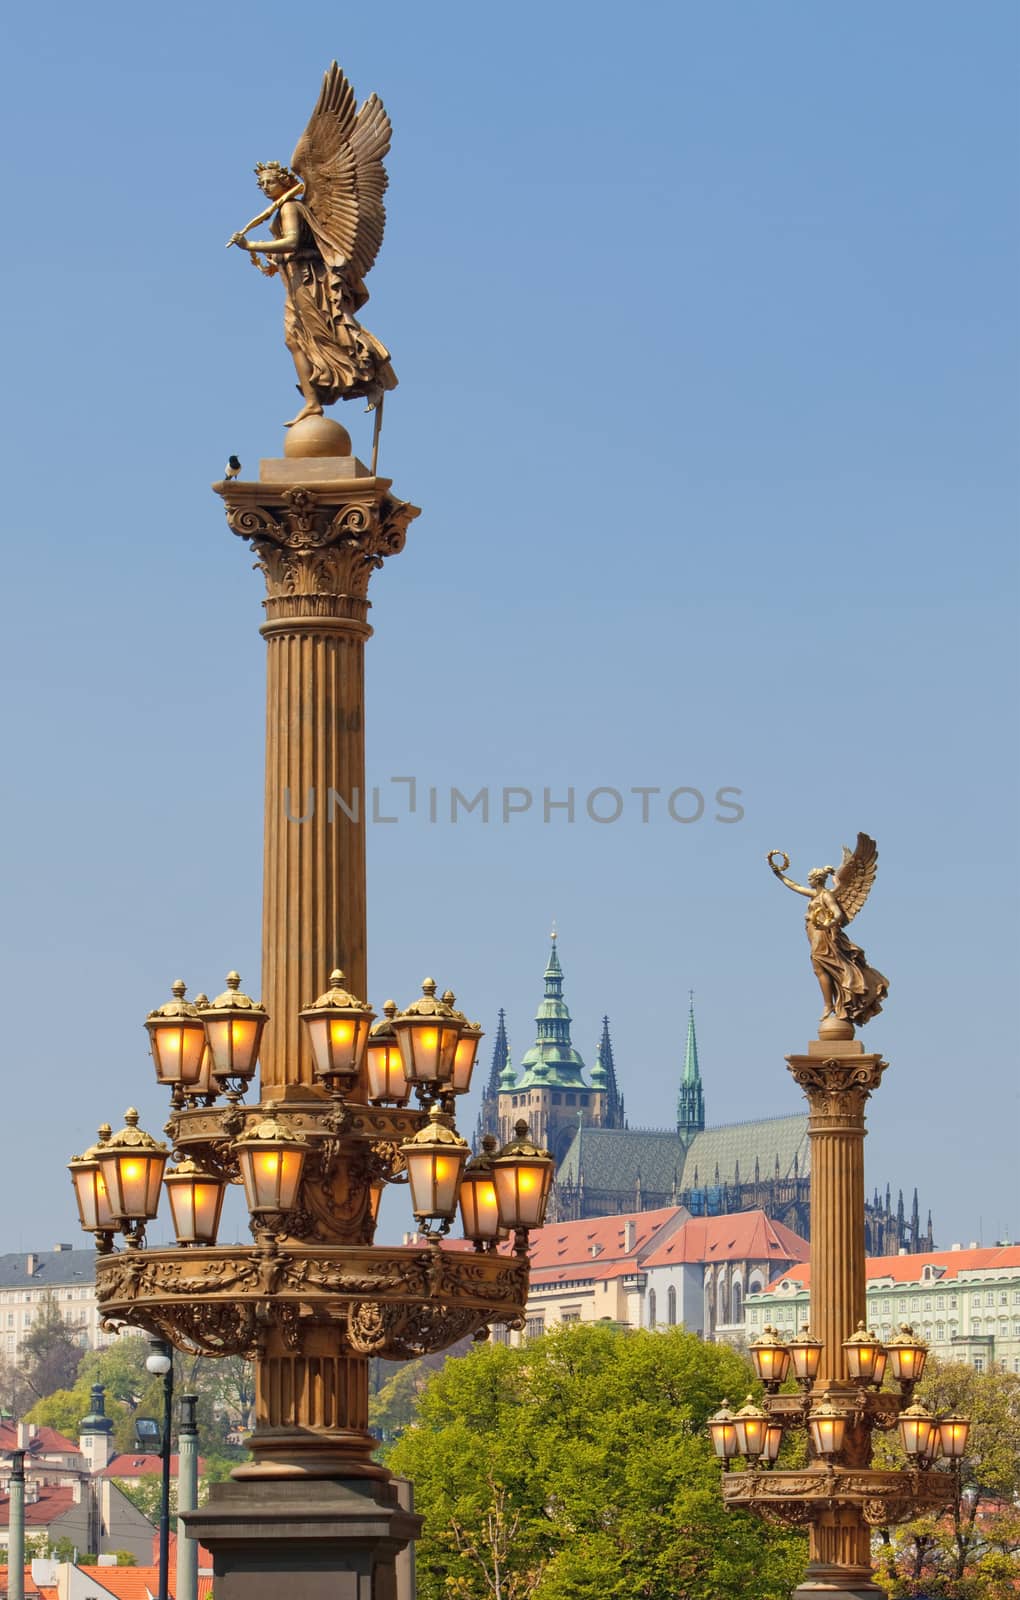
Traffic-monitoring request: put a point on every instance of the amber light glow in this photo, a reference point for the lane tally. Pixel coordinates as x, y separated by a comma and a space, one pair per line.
953, 1433
919, 1433
196, 1200
827, 1427
132, 1184
521, 1192
90, 1194
272, 1163
723, 1433
750, 1424
771, 1358
427, 1033
177, 1040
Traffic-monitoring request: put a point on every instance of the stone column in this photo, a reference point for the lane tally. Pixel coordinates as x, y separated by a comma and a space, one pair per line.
837, 1077
186, 1587
320, 526
16, 1528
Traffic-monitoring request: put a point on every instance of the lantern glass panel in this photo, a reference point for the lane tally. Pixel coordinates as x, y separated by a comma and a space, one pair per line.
93, 1202
464, 1062
433, 1174
133, 1179
479, 1209
862, 1359
907, 1362
916, 1428
427, 1048
724, 1437
522, 1190
178, 1044
773, 1440
827, 1434
806, 1355
271, 1176
750, 1434
195, 1206
234, 1041
385, 1067
953, 1433
771, 1362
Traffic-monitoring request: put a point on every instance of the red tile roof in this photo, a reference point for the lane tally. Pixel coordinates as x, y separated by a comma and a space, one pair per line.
45, 1441
138, 1464
52, 1503
205, 1560
596, 1241
908, 1269
739, 1236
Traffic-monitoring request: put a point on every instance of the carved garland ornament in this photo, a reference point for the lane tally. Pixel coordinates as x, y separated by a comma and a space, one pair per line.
309, 547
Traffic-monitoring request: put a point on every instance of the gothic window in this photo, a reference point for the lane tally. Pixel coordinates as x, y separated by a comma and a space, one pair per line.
737, 1298
722, 1302
671, 1308
651, 1308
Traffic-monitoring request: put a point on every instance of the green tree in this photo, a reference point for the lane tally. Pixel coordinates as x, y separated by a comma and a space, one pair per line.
973, 1552
577, 1467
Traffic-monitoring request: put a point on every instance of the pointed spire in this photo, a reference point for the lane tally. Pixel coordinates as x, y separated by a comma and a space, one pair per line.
603, 1078
901, 1221
501, 1079
915, 1226
690, 1106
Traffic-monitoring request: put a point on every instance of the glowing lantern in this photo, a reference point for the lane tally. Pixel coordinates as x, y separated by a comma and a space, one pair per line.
337, 1025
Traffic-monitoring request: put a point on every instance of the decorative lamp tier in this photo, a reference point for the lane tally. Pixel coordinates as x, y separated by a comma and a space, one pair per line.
272, 1161
177, 1040
827, 1427
89, 1184
234, 1025
196, 1200
723, 1433
806, 1355
919, 1433
435, 1159
384, 1063
865, 1357
907, 1356
338, 1024
427, 1033
522, 1173
771, 1358
953, 1433
471, 1035
131, 1165
479, 1210
749, 1425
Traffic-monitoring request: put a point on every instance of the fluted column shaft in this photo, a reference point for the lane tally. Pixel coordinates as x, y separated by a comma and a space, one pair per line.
837, 1078
313, 909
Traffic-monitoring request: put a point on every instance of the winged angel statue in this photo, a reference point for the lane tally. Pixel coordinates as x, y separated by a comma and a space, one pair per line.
851, 990
327, 225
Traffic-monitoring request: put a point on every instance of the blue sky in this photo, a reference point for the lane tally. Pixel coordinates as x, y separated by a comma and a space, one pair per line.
706, 323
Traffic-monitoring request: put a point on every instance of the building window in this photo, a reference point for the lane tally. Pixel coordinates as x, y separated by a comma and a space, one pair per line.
952, 1302
1016, 1330
671, 1306
1003, 1297
737, 1302
991, 1298
979, 1363
940, 1302
940, 1331
573, 1315
501, 1333
927, 1303
571, 1099
10, 1319
534, 1327
651, 1308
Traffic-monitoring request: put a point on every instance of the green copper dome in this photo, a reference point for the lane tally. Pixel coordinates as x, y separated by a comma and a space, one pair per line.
552, 1062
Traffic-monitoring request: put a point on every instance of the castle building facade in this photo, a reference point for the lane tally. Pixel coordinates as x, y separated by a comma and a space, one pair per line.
605, 1168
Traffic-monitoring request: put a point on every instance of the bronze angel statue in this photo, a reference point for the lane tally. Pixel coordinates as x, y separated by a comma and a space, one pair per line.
327, 219
851, 990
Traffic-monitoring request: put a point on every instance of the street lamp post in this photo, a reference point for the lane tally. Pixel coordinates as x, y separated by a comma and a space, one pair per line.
187, 1496
840, 1367
160, 1363
330, 1122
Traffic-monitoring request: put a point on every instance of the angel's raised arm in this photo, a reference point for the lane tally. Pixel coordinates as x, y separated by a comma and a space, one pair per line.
780, 871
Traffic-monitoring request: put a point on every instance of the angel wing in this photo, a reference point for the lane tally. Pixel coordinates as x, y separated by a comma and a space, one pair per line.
340, 157
856, 873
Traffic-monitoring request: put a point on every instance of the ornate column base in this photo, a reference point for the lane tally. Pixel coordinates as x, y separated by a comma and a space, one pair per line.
320, 1540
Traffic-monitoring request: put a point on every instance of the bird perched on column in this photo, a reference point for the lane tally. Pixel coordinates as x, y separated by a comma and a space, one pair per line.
232, 467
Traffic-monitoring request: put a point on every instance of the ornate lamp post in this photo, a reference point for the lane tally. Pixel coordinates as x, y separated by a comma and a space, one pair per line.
839, 1496
313, 1299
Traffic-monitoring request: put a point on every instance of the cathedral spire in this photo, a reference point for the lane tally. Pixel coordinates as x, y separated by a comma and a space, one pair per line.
552, 1061
501, 1078
690, 1106
603, 1078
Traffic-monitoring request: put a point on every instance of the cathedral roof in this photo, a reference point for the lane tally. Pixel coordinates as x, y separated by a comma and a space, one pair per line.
614, 1158
552, 1061
727, 1154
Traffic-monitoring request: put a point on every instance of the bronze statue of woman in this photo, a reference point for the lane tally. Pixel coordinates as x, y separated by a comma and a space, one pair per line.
851, 990
327, 220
